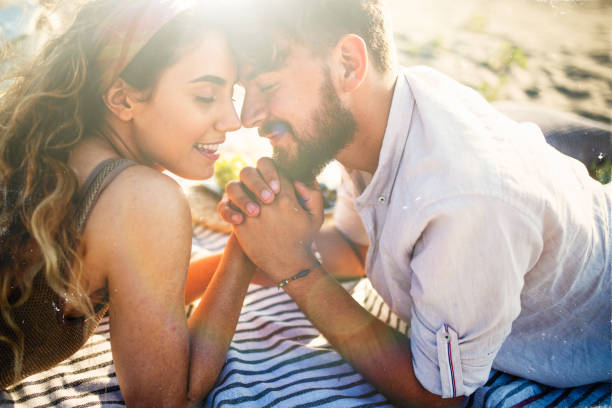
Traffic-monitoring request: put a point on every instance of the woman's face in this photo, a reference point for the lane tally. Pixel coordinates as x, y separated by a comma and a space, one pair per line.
183, 123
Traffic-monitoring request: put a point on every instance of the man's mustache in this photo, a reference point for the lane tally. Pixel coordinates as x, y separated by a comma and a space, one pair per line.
274, 126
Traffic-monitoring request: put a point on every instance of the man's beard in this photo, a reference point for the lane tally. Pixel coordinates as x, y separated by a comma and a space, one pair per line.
334, 129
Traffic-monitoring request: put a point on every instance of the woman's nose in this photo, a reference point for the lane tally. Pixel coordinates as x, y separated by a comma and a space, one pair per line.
230, 120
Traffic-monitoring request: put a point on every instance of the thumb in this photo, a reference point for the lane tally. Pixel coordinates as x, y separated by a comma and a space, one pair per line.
311, 198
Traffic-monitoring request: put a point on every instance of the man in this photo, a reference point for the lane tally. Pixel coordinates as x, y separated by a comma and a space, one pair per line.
493, 245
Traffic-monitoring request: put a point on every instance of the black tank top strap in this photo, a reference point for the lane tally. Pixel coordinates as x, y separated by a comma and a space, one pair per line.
96, 182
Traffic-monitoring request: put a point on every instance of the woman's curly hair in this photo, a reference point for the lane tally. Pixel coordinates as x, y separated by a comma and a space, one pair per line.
43, 112
46, 109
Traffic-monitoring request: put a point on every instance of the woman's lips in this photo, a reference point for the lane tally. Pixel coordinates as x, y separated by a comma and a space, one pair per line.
209, 151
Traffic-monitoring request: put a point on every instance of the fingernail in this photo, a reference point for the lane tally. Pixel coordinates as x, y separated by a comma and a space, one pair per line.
251, 208
267, 195
237, 219
274, 185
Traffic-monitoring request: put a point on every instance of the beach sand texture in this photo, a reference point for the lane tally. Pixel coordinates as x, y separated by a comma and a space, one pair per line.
557, 53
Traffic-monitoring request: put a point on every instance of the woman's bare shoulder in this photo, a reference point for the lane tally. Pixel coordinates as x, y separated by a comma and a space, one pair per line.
141, 212
142, 191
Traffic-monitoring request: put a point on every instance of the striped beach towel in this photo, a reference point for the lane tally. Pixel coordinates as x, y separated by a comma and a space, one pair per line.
276, 359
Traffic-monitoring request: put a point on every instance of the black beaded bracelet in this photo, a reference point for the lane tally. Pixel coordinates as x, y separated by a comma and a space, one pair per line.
299, 275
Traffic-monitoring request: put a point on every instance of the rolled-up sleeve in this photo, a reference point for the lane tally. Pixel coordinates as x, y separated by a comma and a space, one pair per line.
468, 271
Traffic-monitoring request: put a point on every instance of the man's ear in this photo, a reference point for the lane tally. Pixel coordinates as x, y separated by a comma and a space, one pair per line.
352, 52
119, 99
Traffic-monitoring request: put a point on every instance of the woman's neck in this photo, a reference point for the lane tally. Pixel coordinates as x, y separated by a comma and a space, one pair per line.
119, 141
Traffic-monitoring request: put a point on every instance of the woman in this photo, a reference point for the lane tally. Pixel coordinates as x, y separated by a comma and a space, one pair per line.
88, 222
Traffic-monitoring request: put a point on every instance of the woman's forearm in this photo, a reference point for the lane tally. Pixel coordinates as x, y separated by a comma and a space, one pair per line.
213, 322
201, 272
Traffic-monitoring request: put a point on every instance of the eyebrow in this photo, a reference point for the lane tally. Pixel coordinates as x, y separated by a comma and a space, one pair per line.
209, 78
279, 60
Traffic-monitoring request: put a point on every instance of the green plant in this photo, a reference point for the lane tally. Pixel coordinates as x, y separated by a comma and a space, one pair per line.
508, 56
228, 168
477, 23
489, 91
601, 170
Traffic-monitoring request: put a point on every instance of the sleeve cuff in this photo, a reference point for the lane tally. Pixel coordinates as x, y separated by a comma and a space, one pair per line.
436, 359
449, 360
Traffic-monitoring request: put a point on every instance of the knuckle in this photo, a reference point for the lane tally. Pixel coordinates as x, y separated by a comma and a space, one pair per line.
221, 207
247, 173
232, 188
265, 162
224, 213
267, 168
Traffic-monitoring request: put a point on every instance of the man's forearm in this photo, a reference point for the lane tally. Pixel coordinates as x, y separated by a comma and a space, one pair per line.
381, 354
341, 257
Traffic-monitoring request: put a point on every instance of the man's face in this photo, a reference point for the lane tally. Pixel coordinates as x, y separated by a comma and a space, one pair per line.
297, 108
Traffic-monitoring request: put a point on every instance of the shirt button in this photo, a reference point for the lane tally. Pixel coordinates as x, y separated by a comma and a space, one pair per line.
446, 337
382, 199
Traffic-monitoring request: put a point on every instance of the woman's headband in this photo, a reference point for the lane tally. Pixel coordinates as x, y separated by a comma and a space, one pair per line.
127, 30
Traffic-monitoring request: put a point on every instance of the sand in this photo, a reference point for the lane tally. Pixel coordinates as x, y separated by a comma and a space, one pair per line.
557, 53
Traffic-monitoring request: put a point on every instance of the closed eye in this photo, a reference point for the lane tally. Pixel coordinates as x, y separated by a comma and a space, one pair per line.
205, 100
267, 88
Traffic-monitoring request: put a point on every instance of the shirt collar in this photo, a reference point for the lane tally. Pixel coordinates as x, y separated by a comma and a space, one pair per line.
380, 188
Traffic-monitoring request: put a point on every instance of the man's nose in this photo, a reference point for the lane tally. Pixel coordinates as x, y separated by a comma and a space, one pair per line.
254, 111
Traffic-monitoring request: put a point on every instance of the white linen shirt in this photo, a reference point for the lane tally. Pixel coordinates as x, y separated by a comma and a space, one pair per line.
492, 244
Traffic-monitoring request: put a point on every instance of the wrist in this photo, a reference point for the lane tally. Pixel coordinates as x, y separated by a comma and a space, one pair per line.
292, 265
301, 274
234, 252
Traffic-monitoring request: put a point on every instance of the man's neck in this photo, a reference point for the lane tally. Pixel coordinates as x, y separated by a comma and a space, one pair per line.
371, 107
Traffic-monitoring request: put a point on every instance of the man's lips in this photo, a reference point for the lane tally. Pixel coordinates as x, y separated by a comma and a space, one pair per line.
274, 131
274, 137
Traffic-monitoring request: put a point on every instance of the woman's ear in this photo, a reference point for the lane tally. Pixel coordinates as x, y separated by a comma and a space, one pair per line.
119, 99
352, 52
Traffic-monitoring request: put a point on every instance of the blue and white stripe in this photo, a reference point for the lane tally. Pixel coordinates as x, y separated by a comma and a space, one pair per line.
277, 359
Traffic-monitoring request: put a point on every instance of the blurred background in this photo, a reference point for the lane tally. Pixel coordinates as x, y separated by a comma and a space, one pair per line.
555, 53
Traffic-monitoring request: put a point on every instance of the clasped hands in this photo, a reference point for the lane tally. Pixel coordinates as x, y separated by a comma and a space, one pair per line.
275, 220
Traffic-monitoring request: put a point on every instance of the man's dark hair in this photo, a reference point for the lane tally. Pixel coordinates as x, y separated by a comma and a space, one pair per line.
315, 24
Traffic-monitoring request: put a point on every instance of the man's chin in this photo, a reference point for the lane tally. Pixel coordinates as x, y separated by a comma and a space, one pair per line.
295, 170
